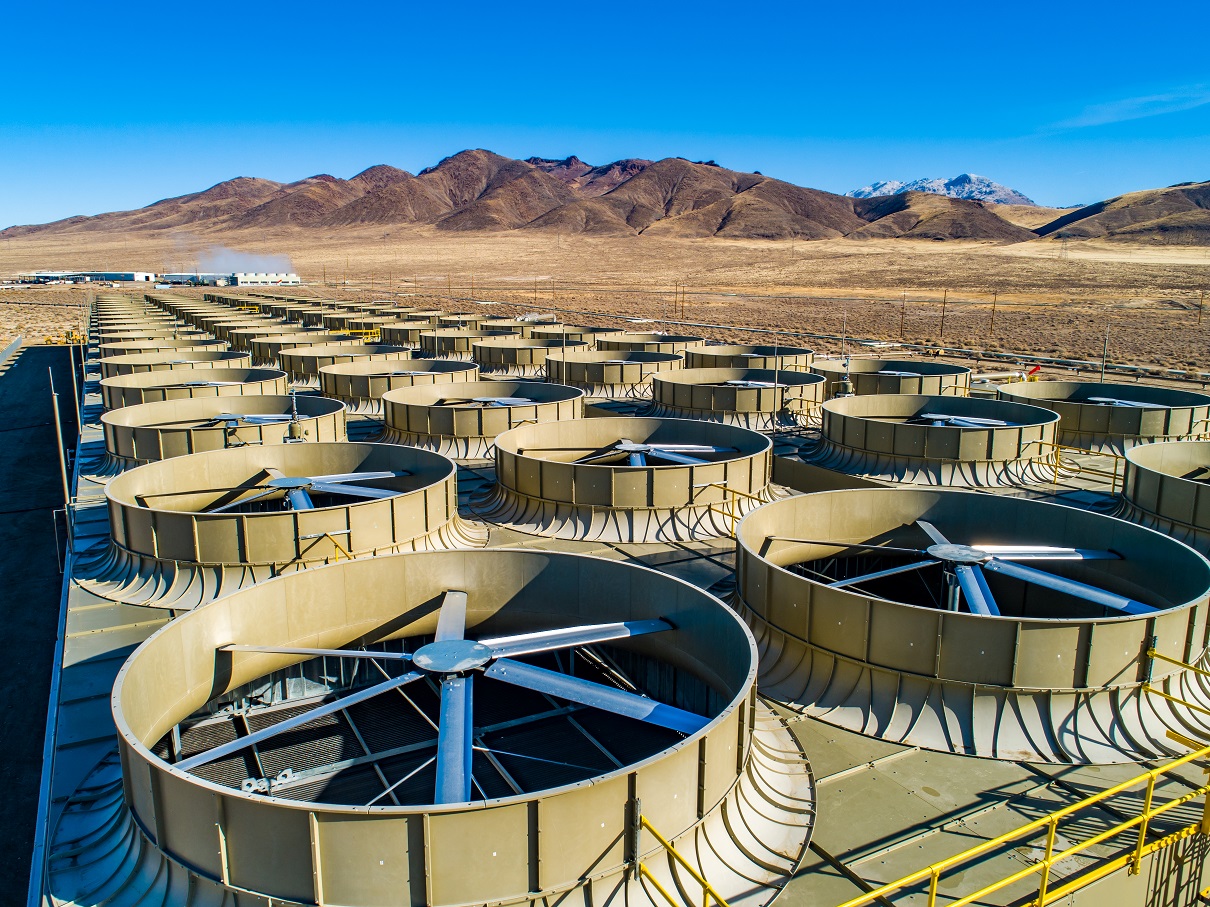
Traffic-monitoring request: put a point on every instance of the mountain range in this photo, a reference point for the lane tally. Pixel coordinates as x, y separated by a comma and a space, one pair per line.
477, 190
965, 185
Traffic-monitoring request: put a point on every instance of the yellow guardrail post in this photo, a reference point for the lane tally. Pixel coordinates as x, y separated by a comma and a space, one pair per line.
708, 890
1136, 863
1044, 882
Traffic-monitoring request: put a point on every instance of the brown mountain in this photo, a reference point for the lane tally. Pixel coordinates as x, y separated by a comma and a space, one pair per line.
924, 215
1178, 215
476, 190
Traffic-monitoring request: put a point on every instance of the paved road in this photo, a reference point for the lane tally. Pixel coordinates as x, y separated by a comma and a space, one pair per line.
30, 585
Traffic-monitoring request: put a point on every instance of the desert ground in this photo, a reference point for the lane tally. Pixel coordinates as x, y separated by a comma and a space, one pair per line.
1047, 297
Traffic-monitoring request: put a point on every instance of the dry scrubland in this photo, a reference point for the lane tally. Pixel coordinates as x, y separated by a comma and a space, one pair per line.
1051, 298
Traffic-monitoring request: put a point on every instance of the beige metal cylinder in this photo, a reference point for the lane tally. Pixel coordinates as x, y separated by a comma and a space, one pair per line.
1051, 679
894, 376
756, 398
241, 338
165, 345
518, 357
303, 363
183, 384
175, 428
650, 343
361, 385
887, 437
267, 350
463, 420
1090, 419
455, 343
1167, 487
739, 356
609, 373
557, 845
587, 333
540, 489
134, 363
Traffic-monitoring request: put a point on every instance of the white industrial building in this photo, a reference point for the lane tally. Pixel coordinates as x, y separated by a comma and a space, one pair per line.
263, 279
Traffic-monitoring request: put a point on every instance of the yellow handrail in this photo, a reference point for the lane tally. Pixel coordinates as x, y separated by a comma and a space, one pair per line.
933, 872
707, 889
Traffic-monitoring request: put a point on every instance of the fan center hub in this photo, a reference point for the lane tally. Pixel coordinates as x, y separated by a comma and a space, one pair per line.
288, 482
957, 554
451, 656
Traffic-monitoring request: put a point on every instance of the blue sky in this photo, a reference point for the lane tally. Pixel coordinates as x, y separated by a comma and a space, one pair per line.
122, 105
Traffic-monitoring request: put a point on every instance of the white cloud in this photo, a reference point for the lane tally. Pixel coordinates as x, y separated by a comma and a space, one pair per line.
1173, 101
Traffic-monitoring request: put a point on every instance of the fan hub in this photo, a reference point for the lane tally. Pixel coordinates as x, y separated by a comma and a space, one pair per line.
288, 482
957, 554
451, 656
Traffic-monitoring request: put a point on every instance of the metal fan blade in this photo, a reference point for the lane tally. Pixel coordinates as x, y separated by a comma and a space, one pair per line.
675, 457
503, 401
974, 586
689, 448
1047, 553
965, 421
636, 459
356, 491
316, 653
256, 497
546, 640
1069, 586
295, 721
454, 736
592, 694
253, 419
896, 374
609, 450
357, 476
891, 571
451, 622
1115, 401
933, 532
299, 499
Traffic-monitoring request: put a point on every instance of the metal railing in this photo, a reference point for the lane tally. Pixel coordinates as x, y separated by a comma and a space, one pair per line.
1152, 656
1132, 861
708, 890
1057, 463
730, 508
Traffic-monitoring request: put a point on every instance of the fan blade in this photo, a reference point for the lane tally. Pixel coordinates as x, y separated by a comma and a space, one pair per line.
966, 421
503, 401
357, 476
1115, 401
256, 497
691, 448
299, 499
454, 736
933, 532
451, 622
356, 491
974, 586
674, 457
1047, 553
592, 694
636, 459
316, 653
841, 583
1069, 586
609, 450
289, 724
546, 640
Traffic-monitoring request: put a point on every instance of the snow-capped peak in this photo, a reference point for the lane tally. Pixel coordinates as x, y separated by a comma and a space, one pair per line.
966, 185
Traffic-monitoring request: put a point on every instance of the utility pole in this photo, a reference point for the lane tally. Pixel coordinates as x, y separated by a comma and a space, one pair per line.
993, 327
944, 296
1200, 302
902, 313
1104, 354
